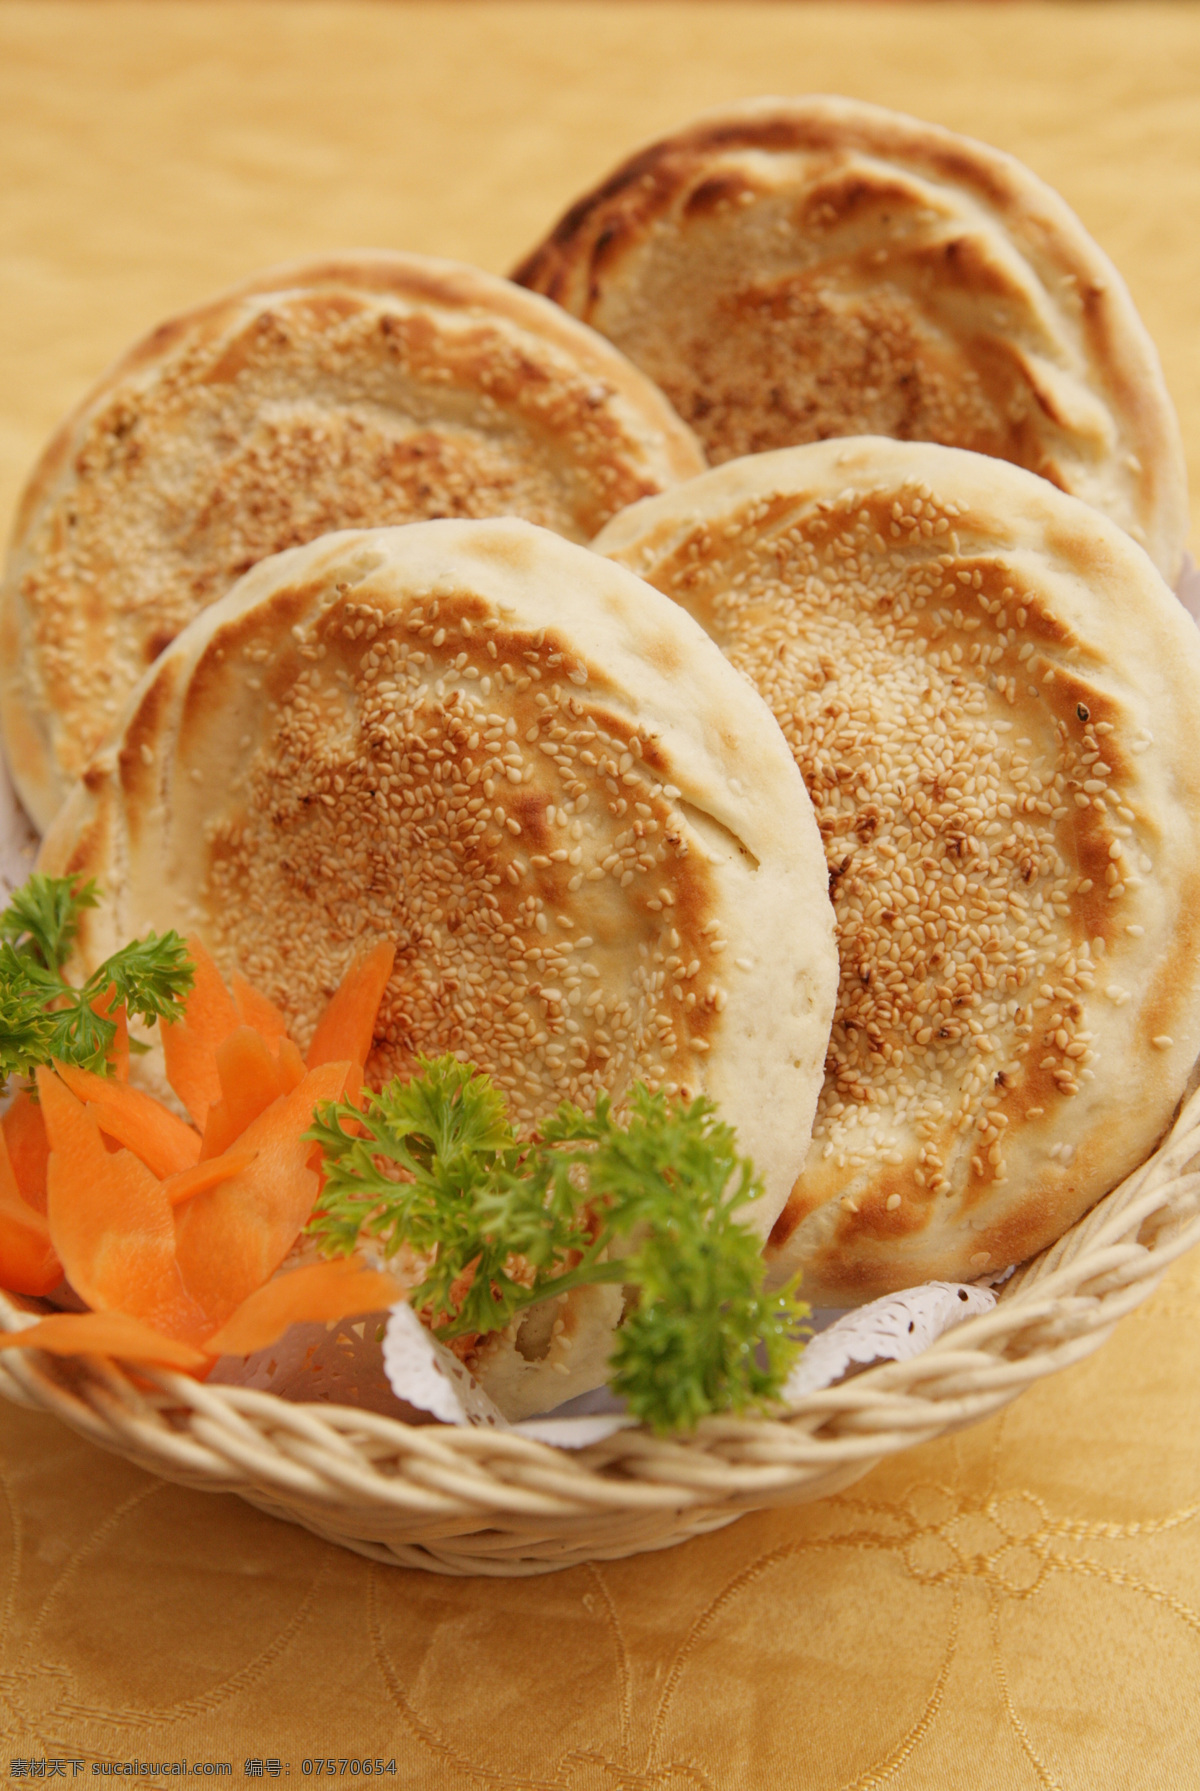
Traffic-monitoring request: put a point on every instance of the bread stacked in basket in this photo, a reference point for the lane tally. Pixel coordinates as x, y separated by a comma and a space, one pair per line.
899, 671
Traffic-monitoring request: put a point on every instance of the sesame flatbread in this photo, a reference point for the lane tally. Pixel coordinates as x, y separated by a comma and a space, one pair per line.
789, 270
992, 696
582, 829
369, 389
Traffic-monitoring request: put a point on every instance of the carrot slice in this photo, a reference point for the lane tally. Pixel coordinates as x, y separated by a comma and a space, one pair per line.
318, 1293
164, 1142
103, 1334
292, 1067
254, 1009
250, 1081
230, 1240
110, 1222
189, 1182
28, 1263
347, 1027
118, 1054
189, 1045
24, 1131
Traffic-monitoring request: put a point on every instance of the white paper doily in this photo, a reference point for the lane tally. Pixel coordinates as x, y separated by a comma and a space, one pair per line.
888, 1330
424, 1374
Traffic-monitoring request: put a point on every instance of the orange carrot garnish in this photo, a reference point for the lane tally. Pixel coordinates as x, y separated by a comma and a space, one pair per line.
110, 1222
251, 1079
28, 1264
164, 1142
118, 1054
230, 1240
104, 1334
118, 1051
347, 1027
166, 1234
189, 1045
189, 1182
28, 1147
254, 1009
292, 1067
317, 1293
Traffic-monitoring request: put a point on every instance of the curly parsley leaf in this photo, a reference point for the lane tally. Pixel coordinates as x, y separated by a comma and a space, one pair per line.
653, 1203
42, 919
440, 1168
26, 1029
151, 978
42, 1017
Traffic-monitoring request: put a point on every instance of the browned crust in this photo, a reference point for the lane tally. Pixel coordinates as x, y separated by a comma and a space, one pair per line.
447, 284
586, 251
591, 433
456, 735
1092, 671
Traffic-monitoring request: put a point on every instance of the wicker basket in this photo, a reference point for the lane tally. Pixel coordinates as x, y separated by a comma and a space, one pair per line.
464, 1501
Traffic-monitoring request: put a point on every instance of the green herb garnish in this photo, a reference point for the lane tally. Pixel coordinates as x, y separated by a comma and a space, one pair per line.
42, 1016
653, 1204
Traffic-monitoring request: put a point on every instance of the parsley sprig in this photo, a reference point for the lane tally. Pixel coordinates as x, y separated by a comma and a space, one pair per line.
654, 1204
42, 1016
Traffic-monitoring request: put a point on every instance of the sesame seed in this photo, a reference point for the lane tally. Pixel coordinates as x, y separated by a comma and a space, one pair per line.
390, 828
952, 825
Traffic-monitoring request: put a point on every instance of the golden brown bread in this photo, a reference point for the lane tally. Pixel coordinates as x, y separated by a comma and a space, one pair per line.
364, 389
582, 829
992, 696
794, 269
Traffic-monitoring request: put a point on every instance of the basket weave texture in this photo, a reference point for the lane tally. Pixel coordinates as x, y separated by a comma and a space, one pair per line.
482, 1501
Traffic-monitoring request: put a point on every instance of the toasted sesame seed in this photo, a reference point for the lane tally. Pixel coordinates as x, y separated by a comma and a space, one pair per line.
953, 827
405, 415
392, 829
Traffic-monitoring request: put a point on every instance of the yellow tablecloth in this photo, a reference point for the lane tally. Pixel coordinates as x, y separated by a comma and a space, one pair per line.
1018, 1606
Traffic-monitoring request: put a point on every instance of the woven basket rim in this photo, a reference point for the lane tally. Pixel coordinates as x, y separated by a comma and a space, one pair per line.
465, 1499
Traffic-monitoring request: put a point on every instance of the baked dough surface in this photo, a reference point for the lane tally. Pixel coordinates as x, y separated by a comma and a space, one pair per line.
581, 827
794, 269
369, 389
992, 696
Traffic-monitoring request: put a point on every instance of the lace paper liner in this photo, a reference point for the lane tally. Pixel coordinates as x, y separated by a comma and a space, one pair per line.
888, 1330
425, 1374
387, 1362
